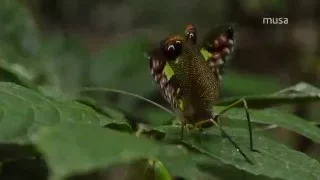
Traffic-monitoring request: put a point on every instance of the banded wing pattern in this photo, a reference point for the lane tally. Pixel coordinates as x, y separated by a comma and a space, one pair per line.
217, 48
162, 72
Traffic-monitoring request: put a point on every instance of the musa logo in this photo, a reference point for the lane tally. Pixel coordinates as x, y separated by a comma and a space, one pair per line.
275, 20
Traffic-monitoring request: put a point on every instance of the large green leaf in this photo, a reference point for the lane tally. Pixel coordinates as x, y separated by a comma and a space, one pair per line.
86, 154
24, 111
299, 93
77, 148
274, 161
279, 118
235, 117
16, 74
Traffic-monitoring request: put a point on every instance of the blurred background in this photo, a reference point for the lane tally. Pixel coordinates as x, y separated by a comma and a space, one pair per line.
62, 46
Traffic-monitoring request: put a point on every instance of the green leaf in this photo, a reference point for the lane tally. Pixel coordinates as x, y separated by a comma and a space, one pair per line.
24, 111
181, 163
17, 75
161, 172
279, 118
109, 112
299, 93
290, 164
70, 149
156, 116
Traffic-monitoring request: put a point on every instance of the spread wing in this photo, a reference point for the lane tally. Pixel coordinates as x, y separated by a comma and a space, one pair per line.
217, 48
164, 75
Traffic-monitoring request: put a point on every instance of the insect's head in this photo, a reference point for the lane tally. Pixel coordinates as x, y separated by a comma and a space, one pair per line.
173, 49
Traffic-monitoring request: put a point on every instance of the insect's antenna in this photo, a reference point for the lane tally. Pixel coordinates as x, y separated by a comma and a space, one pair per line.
86, 89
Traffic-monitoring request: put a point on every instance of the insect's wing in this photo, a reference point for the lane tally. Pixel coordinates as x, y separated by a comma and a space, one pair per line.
164, 75
217, 48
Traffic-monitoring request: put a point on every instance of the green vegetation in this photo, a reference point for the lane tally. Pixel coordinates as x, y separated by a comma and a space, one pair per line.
51, 128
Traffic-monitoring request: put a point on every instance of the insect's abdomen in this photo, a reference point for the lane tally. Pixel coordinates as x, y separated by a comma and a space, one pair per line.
200, 87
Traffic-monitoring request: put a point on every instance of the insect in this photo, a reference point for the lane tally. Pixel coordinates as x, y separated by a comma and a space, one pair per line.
189, 73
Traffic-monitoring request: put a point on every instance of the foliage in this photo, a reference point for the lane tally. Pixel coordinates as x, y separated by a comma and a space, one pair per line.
47, 130
71, 138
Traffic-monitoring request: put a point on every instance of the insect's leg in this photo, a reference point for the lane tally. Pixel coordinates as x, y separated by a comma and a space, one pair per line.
231, 141
246, 109
224, 134
217, 119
